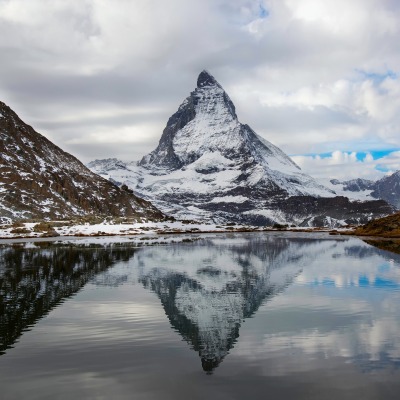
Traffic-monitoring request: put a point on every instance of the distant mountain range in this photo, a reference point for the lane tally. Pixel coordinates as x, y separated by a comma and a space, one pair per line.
386, 188
38, 180
209, 166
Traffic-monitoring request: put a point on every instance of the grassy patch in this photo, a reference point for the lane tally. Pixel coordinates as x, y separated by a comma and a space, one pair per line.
387, 227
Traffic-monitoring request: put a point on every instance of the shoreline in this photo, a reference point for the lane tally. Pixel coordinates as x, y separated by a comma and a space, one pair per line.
148, 231
158, 236
60, 231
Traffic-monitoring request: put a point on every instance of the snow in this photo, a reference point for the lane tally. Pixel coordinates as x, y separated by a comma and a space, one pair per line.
107, 228
6, 157
42, 163
274, 215
204, 134
363, 195
229, 199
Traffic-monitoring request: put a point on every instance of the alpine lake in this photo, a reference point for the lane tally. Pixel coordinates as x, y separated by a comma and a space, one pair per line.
210, 316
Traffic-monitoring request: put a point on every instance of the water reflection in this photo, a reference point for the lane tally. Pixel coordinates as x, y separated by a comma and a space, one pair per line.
209, 288
349, 306
34, 278
316, 310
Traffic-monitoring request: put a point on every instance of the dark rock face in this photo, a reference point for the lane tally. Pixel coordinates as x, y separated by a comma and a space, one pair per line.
317, 211
355, 185
164, 156
388, 188
39, 180
206, 79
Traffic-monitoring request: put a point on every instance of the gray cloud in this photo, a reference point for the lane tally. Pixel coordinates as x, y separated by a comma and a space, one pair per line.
100, 80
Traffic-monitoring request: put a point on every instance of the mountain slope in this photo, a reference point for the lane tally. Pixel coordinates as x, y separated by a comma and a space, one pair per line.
387, 227
39, 180
388, 188
208, 165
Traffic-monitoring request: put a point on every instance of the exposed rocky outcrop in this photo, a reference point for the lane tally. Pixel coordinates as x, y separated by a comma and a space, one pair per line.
355, 185
334, 211
388, 188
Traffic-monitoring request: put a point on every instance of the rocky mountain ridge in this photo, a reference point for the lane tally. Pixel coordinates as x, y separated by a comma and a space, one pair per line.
386, 188
38, 180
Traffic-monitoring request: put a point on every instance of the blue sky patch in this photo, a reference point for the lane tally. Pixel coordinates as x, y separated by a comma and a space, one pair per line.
382, 168
381, 153
375, 77
360, 156
376, 154
263, 12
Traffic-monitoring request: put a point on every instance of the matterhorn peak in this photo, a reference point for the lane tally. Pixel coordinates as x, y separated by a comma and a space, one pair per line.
209, 166
206, 79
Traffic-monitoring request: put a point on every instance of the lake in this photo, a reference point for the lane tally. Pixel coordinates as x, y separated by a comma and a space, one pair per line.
212, 316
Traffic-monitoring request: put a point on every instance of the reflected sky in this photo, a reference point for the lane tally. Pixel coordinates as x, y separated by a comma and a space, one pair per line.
227, 316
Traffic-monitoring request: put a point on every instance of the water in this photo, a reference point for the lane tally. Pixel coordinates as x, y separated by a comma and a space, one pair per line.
230, 316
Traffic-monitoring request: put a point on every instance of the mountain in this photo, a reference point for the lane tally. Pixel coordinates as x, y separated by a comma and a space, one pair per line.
386, 188
39, 180
354, 185
208, 165
204, 142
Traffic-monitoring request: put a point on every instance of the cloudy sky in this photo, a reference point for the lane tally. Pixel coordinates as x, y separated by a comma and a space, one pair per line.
318, 78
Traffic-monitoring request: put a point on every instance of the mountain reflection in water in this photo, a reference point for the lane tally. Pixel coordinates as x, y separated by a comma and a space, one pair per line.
207, 288
36, 278
213, 287
321, 312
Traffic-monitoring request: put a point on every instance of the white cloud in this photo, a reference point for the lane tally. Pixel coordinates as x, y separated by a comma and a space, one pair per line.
310, 76
346, 165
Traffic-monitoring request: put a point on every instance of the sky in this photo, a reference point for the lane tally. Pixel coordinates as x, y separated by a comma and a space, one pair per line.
318, 78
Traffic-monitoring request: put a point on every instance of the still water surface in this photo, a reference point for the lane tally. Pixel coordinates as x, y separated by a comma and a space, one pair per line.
232, 316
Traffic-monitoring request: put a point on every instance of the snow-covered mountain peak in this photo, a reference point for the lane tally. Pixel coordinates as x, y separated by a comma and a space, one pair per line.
206, 127
206, 121
109, 164
208, 165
